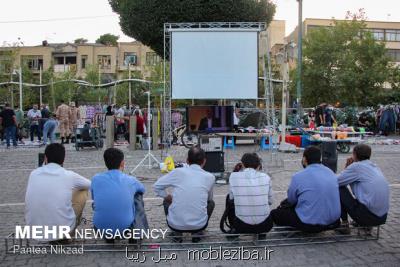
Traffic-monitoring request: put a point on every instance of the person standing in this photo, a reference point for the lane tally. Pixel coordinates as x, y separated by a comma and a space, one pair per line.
320, 115
329, 118
45, 116
49, 129
74, 117
63, 114
236, 120
34, 116
19, 115
9, 123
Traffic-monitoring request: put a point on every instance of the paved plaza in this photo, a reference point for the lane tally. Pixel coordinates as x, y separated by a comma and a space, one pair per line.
16, 164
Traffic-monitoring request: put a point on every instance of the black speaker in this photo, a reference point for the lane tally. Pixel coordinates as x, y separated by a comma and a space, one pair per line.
329, 155
215, 162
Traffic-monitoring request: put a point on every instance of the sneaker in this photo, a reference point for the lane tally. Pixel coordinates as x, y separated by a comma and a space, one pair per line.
344, 229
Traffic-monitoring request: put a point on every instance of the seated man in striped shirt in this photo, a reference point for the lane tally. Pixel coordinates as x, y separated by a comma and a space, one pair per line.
251, 192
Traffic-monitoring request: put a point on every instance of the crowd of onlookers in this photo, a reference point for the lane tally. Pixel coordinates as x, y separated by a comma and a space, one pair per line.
317, 199
43, 124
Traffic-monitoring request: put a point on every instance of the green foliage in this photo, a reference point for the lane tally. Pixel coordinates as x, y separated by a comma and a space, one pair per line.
108, 39
345, 64
80, 41
144, 20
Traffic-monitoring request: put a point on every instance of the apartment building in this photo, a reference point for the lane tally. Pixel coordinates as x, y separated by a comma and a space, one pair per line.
112, 61
385, 31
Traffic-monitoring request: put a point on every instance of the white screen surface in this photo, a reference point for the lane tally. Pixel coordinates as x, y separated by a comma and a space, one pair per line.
214, 65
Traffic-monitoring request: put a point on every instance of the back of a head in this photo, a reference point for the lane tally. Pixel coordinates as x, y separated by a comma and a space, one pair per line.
137, 113
362, 152
7, 105
62, 101
55, 153
113, 158
251, 160
312, 155
196, 155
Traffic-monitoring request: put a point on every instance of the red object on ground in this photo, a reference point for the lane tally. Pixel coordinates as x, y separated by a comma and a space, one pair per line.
292, 139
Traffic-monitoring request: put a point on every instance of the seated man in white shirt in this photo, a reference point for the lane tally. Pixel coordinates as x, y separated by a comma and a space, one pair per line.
191, 204
250, 197
55, 196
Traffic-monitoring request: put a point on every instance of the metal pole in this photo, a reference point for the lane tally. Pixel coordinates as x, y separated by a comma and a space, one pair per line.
299, 58
20, 89
130, 87
12, 91
284, 98
40, 89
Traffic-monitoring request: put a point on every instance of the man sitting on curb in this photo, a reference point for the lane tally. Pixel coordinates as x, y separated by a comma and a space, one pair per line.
113, 194
191, 204
55, 196
313, 203
370, 188
250, 197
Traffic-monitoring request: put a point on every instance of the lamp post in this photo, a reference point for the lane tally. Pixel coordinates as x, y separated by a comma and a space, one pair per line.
282, 59
299, 60
19, 72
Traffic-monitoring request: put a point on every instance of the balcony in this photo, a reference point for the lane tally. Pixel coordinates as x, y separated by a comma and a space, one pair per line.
61, 68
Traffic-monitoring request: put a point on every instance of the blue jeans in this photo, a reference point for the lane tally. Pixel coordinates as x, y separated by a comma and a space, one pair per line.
10, 133
49, 128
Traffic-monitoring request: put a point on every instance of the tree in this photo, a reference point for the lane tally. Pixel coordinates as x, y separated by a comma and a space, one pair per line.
80, 41
344, 63
144, 20
108, 39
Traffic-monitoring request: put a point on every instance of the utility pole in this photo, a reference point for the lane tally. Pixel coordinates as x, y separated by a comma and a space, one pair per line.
130, 87
12, 91
40, 88
299, 60
20, 89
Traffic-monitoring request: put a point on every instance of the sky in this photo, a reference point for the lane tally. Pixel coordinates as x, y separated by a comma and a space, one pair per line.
64, 21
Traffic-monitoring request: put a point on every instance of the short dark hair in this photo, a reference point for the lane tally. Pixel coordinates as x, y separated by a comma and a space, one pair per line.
7, 105
55, 153
196, 155
62, 100
251, 160
362, 152
113, 158
312, 155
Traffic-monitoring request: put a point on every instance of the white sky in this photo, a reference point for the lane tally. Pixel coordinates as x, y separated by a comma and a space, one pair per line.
32, 33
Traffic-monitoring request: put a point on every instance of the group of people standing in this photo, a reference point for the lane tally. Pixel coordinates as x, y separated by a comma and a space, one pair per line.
42, 123
322, 116
317, 199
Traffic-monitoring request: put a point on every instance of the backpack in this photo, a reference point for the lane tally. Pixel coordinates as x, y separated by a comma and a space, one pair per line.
228, 217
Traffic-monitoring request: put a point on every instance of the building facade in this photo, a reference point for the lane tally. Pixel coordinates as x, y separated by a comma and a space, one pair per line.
112, 61
385, 31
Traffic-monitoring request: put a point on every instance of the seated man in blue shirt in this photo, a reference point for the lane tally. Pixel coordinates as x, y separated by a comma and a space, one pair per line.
313, 203
113, 194
370, 188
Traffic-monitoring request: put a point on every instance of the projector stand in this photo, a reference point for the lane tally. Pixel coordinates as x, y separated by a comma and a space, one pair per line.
149, 155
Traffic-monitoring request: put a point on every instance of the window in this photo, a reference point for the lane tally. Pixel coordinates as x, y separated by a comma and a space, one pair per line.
130, 58
152, 58
104, 61
393, 35
6, 63
378, 34
394, 55
83, 61
32, 62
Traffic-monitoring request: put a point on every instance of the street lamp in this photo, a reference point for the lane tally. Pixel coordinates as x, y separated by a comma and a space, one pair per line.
15, 72
282, 60
299, 60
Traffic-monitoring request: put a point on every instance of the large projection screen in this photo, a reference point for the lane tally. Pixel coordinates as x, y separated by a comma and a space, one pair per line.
214, 64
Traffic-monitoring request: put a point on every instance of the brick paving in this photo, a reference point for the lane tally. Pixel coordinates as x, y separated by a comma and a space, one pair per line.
17, 164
